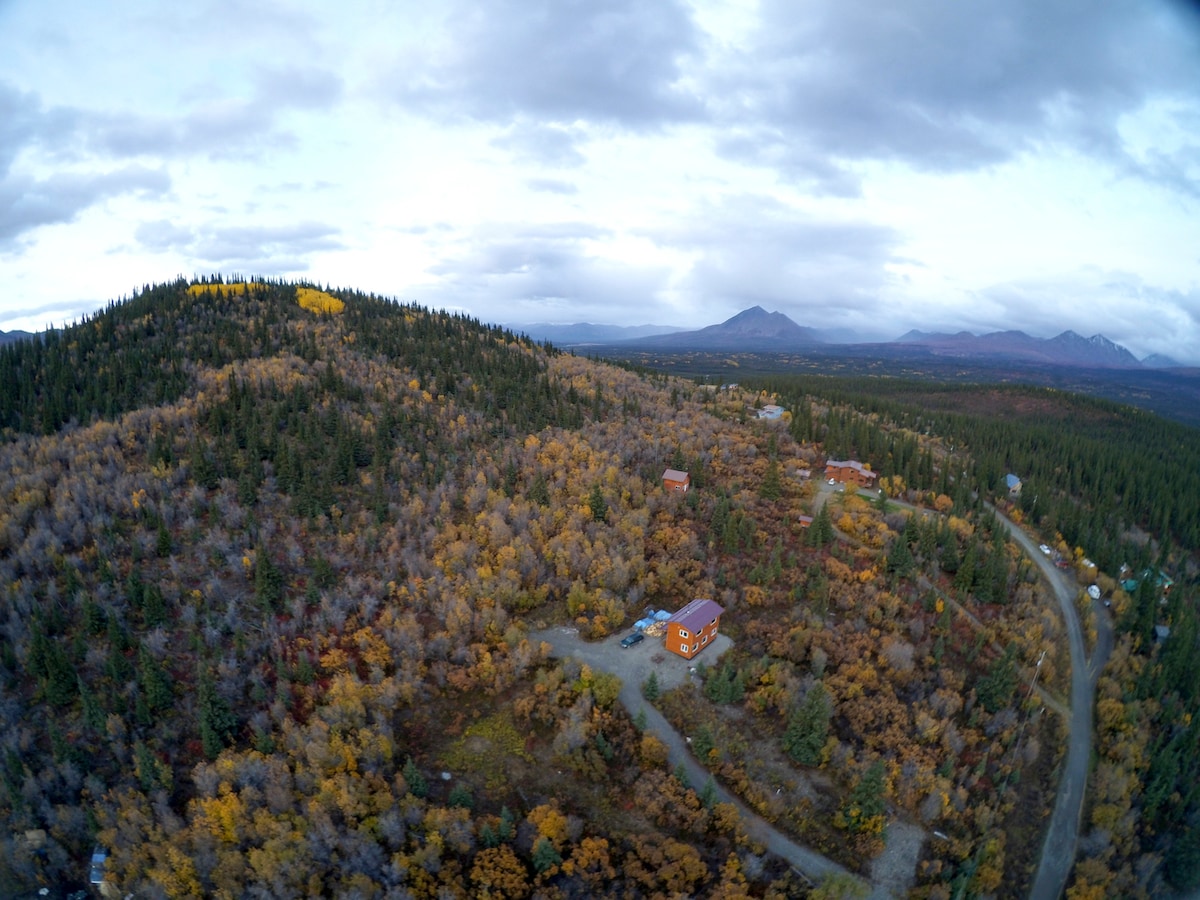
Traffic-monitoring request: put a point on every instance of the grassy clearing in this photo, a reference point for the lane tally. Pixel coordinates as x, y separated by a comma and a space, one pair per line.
486, 750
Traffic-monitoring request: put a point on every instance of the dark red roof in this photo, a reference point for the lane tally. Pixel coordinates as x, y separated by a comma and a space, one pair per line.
697, 614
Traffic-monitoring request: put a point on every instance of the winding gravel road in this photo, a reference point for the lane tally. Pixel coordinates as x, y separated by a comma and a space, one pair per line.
1062, 836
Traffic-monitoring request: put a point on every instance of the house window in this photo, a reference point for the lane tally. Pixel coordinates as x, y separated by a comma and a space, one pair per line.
683, 634
713, 622
694, 648
704, 640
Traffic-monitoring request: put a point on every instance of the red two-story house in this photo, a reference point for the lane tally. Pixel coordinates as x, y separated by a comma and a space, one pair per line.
693, 628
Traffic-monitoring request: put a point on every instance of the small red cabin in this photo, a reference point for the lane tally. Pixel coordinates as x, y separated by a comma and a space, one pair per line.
674, 480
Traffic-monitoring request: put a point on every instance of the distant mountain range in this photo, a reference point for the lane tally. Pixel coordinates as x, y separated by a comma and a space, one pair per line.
589, 333
7, 337
753, 328
1067, 348
756, 330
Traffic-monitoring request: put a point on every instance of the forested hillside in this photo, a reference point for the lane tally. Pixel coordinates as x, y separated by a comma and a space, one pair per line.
269, 561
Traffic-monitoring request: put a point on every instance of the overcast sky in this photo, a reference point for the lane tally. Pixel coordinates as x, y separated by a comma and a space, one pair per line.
932, 164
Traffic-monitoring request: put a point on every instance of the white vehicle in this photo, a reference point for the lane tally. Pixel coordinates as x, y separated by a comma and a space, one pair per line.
1094, 592
833, 481
1044, 549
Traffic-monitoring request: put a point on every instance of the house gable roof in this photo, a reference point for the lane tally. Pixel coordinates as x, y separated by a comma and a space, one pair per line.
850, 464
674, 475
697, 614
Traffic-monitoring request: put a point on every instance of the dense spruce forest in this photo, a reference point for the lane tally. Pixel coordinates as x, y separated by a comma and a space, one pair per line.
273, 560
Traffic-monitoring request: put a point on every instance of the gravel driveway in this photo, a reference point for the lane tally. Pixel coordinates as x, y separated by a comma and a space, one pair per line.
893, 872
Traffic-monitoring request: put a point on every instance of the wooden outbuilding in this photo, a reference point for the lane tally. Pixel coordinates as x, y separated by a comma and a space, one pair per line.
674, 480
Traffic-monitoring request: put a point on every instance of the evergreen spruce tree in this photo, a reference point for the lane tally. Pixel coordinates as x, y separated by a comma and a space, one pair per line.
821, 530
93, 712
964, 580
417, 785
154, 682
163, 543
507, 829
539, 491
808, 726
772, 483
949, 557
650, 689
460, 795
154, 606
217, 721
268, 581
865, 804
703, 743
61, 678
995, 690
597, 504
545, 857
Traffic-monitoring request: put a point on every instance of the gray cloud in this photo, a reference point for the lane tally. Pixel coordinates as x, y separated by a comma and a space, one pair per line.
27, 203
543, 273
754, 250
297, 87
948, 86
74, 309
795, 161
552, 186
215, 125
265, 249
20, 123
549, 145
74, 136
544, 64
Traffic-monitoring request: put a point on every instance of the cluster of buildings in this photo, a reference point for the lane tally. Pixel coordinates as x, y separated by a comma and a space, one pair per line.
689, 630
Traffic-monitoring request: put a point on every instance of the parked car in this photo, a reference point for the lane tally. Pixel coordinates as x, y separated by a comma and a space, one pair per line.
96, 872
631, 640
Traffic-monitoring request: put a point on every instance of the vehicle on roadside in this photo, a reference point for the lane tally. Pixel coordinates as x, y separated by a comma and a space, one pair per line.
1044, 549
631, 640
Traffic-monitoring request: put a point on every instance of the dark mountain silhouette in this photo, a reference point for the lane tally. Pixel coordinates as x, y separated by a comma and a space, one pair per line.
1066, 349
754, 330
1161, 361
